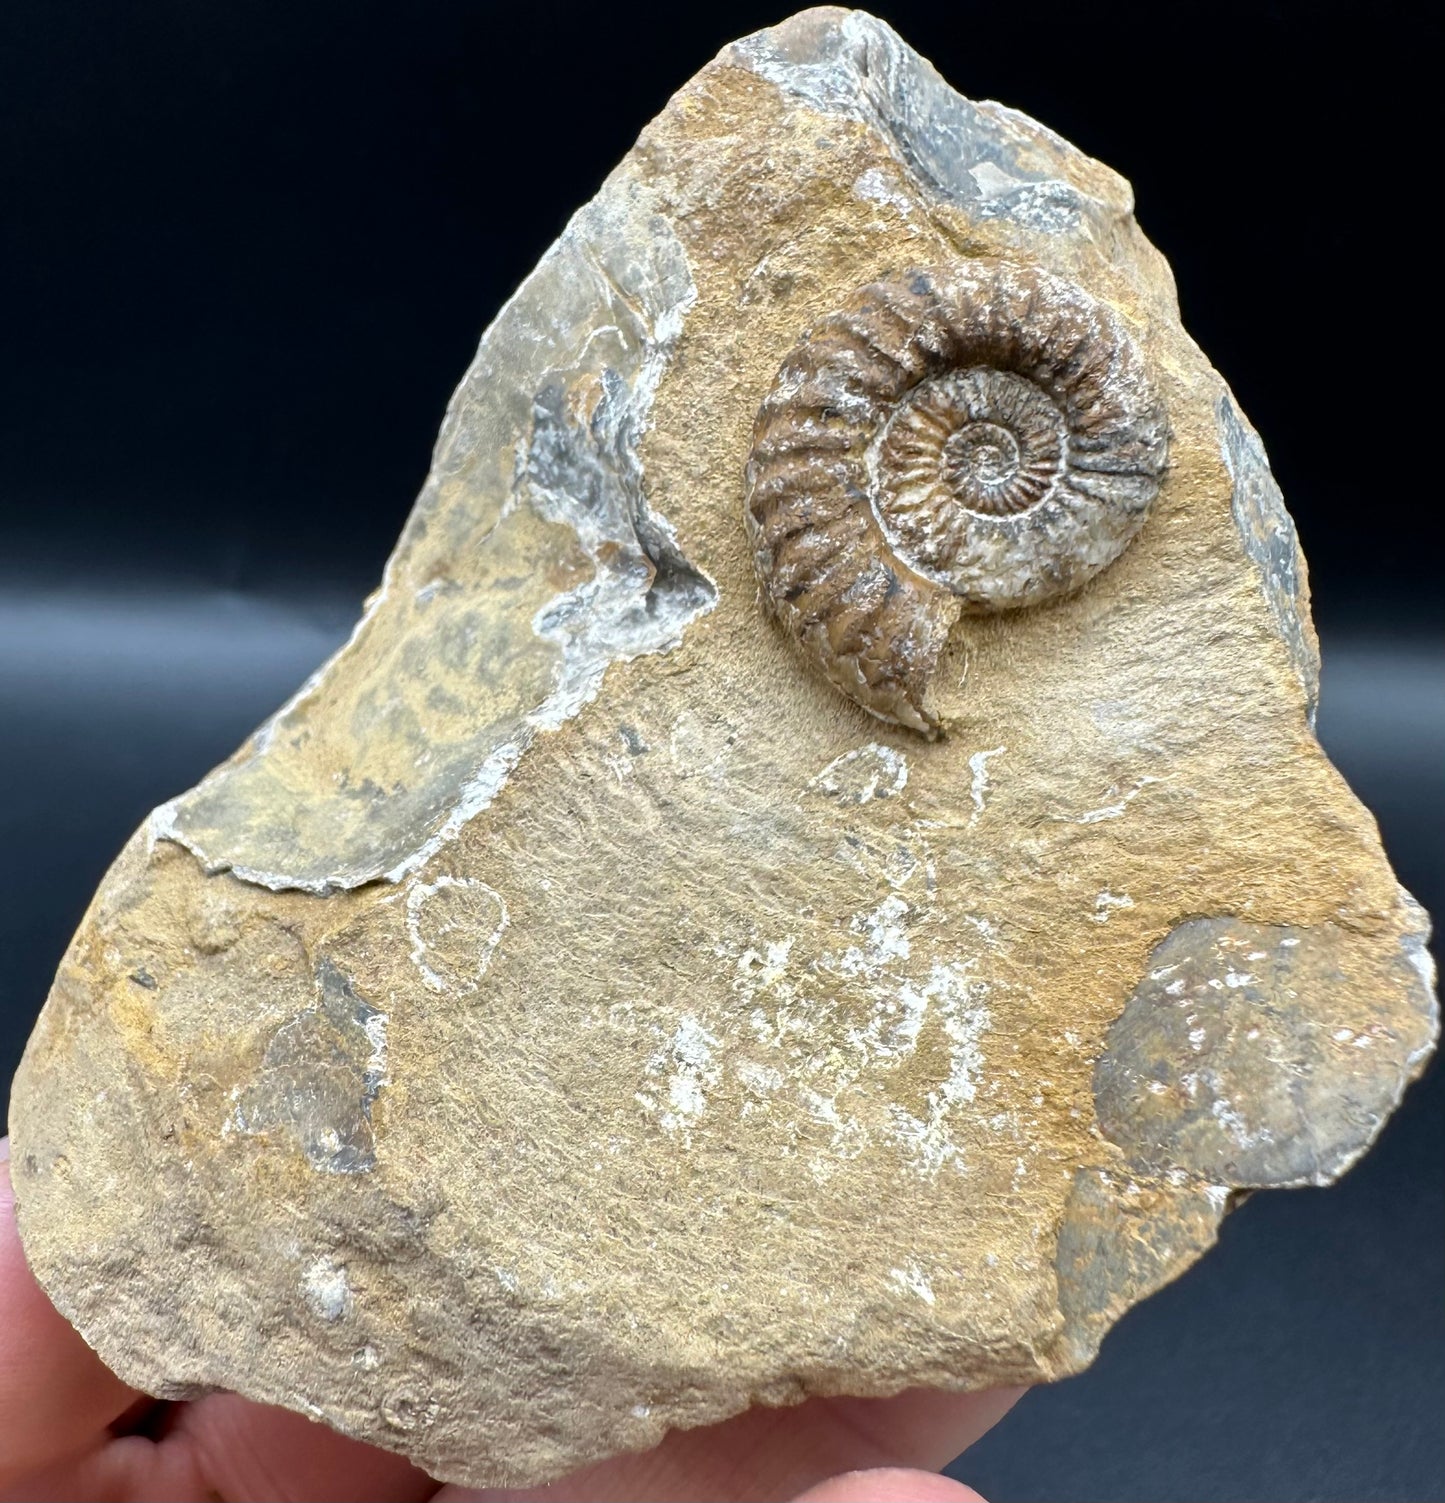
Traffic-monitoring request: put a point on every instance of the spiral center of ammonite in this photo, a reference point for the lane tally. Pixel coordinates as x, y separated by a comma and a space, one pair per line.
963, 446
981, 460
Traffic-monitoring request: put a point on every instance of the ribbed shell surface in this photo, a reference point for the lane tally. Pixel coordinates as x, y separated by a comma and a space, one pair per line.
971, 439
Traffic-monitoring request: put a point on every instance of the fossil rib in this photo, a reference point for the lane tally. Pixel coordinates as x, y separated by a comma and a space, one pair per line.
976, 437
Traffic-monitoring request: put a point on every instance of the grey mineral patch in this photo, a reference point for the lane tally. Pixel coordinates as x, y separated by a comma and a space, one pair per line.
975, 155
1268, 533
1122, 1237
320, 1075
1247, 1055
546, 422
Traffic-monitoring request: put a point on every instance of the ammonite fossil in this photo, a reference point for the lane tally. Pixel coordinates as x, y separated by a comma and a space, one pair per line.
969, 439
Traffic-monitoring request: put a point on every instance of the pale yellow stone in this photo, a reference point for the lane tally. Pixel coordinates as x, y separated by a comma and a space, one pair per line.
591, 1021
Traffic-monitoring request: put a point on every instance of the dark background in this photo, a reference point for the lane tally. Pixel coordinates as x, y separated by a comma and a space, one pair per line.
246, 249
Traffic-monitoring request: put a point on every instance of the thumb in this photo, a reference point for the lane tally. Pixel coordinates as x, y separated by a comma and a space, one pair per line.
889, 1485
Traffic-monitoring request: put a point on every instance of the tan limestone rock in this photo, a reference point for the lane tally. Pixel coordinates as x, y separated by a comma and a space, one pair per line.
572, 1016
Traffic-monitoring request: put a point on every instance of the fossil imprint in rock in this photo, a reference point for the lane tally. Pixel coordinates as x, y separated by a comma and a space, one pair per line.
570, 1017
977, 438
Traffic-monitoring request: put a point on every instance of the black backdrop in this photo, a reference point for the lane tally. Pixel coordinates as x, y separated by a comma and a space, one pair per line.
246, 248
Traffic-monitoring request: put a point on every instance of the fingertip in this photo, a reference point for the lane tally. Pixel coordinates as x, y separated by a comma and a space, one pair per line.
248, 1450
55, 1394
889, 1485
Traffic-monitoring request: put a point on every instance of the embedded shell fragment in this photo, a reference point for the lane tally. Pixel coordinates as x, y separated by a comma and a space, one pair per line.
973, 438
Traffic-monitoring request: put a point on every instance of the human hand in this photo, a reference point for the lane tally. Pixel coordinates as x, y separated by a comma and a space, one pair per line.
70, 1429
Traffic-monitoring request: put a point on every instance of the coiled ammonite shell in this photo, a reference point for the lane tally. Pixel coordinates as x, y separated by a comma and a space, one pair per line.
969, 439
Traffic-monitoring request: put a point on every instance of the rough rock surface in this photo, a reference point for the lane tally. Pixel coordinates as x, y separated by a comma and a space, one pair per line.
570, 1017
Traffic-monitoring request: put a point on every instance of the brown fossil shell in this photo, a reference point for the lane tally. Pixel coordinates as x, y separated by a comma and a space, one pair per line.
974, 438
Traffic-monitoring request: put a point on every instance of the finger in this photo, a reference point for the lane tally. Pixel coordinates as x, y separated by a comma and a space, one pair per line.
922, 1427
889, 1485
244, 1451
58, 1400
227, 1450
778, 1453
56, 1396
119, 1470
